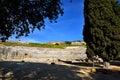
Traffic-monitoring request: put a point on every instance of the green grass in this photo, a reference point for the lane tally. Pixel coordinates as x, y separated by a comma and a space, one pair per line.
47, 45
13, 44
62, 46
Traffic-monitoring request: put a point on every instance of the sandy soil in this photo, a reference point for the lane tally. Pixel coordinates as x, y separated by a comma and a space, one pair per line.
44, 70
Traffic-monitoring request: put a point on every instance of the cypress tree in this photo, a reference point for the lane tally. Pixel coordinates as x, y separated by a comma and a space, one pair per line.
102, 28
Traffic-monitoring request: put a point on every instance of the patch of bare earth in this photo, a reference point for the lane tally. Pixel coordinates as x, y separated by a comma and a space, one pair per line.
33, 69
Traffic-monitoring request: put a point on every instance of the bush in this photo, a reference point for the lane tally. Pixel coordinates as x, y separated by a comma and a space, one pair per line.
68, 42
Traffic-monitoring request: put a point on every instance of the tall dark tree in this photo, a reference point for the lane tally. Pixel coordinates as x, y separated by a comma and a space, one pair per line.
102, 28
17, 15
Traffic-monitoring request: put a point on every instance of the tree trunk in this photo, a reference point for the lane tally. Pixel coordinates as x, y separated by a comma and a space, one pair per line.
106, 65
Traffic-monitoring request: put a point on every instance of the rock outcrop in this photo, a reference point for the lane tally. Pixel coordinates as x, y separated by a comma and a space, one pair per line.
21, 52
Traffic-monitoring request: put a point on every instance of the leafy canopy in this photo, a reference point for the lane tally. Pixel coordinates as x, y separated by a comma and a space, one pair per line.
102, 28
16, 16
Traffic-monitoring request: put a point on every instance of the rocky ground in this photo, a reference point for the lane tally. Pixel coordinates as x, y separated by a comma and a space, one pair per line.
20, 70
26, 63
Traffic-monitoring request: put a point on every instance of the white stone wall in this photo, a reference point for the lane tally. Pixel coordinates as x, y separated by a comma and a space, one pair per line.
20, 52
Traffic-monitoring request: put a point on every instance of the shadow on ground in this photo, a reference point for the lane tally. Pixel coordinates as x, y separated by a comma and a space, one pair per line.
82, 63
113, 63
13, 70
99, 73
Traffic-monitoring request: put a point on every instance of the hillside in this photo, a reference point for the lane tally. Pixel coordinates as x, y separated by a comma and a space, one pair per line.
44, 45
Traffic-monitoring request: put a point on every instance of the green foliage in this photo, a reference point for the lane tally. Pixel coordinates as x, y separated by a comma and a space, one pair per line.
21, 17
62, 46
68, 42
102, 28
13, 44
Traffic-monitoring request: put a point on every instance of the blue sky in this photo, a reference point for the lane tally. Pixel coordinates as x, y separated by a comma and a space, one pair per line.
69, 27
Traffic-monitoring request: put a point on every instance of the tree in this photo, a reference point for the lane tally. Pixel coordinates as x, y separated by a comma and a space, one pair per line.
102, 28
68, 42
16, 16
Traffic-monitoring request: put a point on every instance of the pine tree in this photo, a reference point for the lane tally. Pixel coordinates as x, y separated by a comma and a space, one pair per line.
102, 28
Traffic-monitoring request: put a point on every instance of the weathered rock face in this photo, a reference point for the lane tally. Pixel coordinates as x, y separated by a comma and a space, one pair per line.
20, 52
